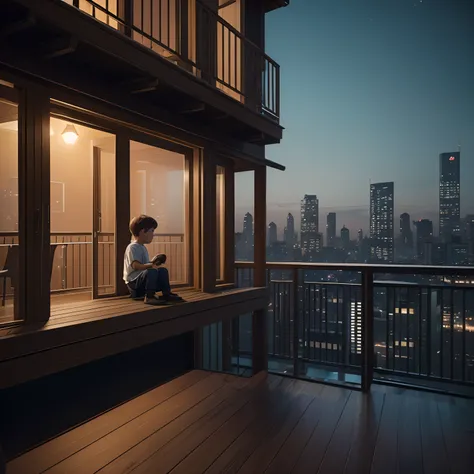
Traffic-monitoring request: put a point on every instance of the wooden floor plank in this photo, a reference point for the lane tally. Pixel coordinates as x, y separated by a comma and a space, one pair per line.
150, 446
296, 442
64, 446
277, 402
262, 457
314, 451
364, 434
410, 459
385, 459
171, 455
106, 449
456, 418
435, 455
270, 418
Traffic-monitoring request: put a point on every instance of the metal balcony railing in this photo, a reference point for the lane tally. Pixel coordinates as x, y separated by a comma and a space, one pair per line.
197, 39
357, 322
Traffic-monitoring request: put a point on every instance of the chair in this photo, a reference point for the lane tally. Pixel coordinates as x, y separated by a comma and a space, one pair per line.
11, 267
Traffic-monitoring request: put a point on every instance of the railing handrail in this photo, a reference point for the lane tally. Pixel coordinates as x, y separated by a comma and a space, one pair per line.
361, 267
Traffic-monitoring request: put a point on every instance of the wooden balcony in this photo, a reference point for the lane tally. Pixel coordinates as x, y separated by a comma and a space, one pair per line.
215, 423
79, 332
160, 57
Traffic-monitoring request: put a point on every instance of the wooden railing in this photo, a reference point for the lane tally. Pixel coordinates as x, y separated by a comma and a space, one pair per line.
72, 263
199, 41
407, 323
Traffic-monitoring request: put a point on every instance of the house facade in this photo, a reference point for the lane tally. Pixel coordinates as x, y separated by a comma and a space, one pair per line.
110, 109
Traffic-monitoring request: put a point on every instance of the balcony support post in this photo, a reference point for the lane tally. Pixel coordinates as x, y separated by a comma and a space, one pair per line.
367, 329
122, 208
32, 296
259, 320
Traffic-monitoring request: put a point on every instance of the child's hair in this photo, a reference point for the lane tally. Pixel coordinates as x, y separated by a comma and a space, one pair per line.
142, 223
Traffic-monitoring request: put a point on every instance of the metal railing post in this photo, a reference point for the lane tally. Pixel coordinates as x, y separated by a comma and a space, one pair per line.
296, 342
367, 329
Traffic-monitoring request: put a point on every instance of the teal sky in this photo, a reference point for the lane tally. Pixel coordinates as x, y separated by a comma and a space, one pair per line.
370, 90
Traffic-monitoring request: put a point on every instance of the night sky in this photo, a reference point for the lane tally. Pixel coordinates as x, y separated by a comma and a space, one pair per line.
370, 90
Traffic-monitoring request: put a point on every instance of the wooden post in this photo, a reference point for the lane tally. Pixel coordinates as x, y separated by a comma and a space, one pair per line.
122, 208
33, 293
259, 324
229, 226
208, 222
367, 329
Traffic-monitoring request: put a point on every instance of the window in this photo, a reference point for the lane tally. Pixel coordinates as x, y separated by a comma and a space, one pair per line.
9, 219
82, 193
157, 189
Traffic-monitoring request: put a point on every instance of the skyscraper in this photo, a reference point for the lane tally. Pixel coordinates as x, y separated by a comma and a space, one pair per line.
345, 237
247, 235
424, 239
449, 195
272, 233
406, 234
381, 222
331, 229
290, 231
310, 238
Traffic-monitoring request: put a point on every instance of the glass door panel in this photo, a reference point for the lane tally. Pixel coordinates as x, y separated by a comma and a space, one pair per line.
9, 225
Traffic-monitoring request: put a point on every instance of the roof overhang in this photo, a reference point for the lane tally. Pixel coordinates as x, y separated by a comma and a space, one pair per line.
271, 5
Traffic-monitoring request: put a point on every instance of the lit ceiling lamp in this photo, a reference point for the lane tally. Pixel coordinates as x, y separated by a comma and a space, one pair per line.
70, 135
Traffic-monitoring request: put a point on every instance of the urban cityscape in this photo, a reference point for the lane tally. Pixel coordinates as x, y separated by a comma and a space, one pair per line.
415, 244
411, 310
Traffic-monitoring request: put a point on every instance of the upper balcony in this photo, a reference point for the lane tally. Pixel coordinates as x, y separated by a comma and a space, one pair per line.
179, 55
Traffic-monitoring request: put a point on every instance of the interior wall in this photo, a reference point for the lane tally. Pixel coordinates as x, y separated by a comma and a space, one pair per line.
8, 181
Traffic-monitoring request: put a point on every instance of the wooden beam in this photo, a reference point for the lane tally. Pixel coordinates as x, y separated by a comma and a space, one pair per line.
59, 47
18, 26
34, 206
229, 225
122, 208
196, 227
208, 230
259, 324
192, 109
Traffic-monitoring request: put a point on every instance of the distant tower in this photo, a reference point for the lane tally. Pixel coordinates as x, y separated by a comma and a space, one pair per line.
449, 196
406, 234
381, 222
424, 238
360, 236
345, 237
310, 238
290, 231
331, 229
247, 232
272, 233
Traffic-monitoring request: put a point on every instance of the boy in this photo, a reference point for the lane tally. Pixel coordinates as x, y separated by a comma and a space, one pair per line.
142, 276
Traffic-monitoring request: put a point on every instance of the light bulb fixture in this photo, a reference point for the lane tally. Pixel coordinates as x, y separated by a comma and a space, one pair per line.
70, 135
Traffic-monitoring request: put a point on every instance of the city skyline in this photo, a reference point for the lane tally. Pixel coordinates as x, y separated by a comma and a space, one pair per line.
380, 101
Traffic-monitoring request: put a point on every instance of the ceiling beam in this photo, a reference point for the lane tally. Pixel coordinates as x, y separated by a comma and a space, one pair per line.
59, 47
18, 26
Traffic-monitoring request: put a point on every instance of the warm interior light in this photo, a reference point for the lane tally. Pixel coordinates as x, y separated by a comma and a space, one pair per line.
70, 135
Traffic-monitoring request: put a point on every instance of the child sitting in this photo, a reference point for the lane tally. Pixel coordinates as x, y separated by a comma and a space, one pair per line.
143, 277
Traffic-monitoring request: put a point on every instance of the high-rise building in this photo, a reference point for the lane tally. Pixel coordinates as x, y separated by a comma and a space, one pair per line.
290, 231
406, 234
345, 237
381, 222
449, 196
424, 239
331, 229
360, 236
272, 233
310, 238
247, 235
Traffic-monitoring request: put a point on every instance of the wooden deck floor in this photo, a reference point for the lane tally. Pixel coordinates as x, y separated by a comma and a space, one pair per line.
215, 423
